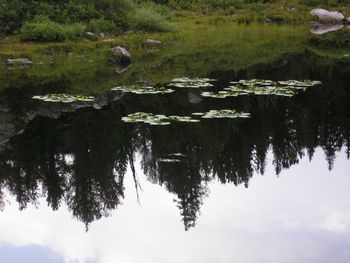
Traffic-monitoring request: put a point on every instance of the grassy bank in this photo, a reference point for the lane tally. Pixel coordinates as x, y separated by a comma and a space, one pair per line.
191, 51
76, 20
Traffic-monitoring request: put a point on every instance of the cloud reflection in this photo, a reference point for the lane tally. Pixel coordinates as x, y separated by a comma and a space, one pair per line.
302, 216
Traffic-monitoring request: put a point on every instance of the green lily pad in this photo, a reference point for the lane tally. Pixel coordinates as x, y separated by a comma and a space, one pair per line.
300, 83
254, 82
140, 89
153, 119
191, 83
63, 98
231, 114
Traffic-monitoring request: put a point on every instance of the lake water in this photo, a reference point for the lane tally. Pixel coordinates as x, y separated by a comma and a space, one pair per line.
80, 185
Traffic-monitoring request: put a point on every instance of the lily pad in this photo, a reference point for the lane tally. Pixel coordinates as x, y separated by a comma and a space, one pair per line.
140, 89
254, 82
191, 83
210, 94
153, 119
231, 114
63, 98
300, 83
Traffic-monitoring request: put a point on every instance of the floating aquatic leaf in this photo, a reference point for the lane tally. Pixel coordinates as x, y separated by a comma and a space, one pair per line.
232, 114
258, 82
240, 90
192, 83
153, 119
63, 98
140, 89
214, 95
300, 83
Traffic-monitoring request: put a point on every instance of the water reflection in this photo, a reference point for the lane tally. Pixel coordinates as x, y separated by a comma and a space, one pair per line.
79, 159
305, 210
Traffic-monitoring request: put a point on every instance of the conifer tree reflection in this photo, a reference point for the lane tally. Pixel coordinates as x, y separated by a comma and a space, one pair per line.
81, 158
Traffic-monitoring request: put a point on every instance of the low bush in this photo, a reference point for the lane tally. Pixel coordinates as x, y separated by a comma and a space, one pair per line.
146, 19
102, 26
50, 31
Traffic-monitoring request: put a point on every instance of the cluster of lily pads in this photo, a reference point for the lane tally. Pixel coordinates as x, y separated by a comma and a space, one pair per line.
154, 119
141, 89
191, 83
220, 114
64, 98
262, 87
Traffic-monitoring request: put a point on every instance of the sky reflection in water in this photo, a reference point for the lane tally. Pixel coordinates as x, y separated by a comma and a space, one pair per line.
302, 216
75, 160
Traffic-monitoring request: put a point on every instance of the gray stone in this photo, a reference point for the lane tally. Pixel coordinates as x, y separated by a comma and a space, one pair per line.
19, 62
90, 35
327, 17
151, 43
120, 56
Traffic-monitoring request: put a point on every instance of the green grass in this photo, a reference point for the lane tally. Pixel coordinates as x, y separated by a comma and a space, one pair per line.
191, 49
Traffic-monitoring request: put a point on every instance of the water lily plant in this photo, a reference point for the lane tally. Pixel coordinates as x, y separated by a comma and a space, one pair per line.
64, 98
141, 89
156, 119
191, 83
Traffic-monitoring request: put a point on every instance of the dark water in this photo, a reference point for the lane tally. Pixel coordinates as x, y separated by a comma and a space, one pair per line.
272, 188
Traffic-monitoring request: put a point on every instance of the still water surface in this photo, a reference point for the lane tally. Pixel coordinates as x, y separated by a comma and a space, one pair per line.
80, 185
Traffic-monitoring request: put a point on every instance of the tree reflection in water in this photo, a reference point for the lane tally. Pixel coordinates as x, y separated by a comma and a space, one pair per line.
81, 158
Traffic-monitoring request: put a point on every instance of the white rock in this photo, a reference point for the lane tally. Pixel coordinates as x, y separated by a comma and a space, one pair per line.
327, 17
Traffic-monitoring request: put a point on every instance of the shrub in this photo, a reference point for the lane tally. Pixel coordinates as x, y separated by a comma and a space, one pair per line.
50, 31
222, 3
146, 19
102, 26
312, 2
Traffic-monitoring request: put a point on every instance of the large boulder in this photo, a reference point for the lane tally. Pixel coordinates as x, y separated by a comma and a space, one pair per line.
327, 17
120, 56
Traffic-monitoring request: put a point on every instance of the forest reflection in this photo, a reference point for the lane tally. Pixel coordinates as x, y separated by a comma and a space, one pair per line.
81, 158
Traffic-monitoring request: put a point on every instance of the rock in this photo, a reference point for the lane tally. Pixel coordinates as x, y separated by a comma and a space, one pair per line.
327, 17
150, 43
90, 35
120, 56
18, 62
323, 29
